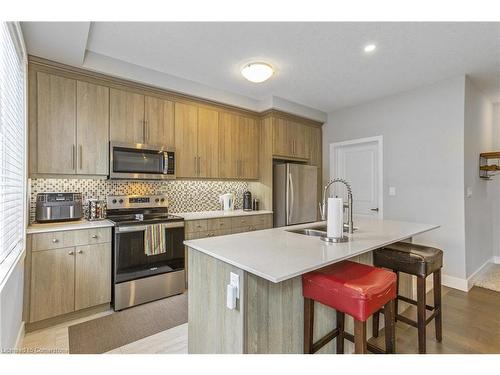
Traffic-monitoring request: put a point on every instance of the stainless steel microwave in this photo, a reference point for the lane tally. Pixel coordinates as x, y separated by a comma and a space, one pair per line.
141, 161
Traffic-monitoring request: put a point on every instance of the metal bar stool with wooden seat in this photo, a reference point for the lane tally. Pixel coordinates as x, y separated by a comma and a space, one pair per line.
354, 289
420, 261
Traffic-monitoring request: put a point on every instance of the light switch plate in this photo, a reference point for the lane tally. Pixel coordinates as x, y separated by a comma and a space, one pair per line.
234, 280
392, 191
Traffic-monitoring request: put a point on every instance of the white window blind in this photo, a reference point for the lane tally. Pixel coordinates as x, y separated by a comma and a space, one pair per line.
12, 142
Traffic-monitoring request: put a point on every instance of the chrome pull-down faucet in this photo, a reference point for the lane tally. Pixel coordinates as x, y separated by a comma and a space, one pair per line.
322, 206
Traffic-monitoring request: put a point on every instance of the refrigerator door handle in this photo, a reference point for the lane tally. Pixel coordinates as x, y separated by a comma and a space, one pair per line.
290, 200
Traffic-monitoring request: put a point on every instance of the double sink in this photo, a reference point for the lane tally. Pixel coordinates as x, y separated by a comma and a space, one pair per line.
316, 231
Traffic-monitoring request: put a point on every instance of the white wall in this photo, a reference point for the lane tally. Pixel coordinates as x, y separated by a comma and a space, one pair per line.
478, 207
423, 132
494, 185
11, 307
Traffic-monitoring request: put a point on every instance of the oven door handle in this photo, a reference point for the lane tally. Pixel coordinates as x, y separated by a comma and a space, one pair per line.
142, 228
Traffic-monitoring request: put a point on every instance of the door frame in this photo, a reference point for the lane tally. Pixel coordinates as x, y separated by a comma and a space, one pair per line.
380, 148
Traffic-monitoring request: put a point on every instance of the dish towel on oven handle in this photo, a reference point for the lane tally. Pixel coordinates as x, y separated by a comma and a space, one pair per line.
154, 239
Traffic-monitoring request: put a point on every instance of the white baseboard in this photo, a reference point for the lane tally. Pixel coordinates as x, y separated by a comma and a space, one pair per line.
20, 336
454, 282
472, 278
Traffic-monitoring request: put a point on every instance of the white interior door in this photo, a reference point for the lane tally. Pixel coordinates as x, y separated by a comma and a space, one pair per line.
359, 163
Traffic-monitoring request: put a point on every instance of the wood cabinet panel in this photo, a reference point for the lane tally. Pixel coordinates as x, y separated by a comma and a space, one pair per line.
299, 139
91, 236
159, 117
281, 143
249, 138
219, 223
52, 240
92, 124
92, 275
208, 143
56, 124
191, 226
228, 145
52, 283
126, 117
186, 139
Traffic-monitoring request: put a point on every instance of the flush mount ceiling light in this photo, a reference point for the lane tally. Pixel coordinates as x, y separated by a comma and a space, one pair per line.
257, 72
370, 48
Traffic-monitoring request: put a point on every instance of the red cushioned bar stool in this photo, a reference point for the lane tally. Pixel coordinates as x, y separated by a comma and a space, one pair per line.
354, 289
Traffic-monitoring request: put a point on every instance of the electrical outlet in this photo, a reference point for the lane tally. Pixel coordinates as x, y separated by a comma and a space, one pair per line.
234, 280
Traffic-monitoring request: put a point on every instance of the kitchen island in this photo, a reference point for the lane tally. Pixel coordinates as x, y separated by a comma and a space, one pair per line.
268, 317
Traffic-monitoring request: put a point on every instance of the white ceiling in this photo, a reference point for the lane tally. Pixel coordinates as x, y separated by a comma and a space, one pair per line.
319, 65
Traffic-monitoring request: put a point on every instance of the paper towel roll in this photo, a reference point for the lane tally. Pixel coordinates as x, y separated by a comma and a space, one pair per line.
335, 218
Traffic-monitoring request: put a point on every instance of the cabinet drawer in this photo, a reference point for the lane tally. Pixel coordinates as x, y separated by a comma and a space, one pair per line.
92, 236
219, 224
241, 221
196, 235
52, 240
195, 226
263, 220
220, 232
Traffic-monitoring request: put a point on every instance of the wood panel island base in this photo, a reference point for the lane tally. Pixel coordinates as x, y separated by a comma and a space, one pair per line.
268, 317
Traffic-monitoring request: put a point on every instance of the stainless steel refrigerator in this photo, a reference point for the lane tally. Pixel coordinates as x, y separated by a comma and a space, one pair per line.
294, 194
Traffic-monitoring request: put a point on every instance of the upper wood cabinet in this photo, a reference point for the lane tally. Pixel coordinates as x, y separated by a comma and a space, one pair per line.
239, 138
71, 129
186, 140
92, 128
136, 118
159, 121
126, 118
208, 143
55, 146
290, 139
249, 147
229, 161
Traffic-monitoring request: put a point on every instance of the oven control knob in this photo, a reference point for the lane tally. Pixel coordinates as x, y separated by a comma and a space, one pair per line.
162, 200
157, 200
120, 201
113, 201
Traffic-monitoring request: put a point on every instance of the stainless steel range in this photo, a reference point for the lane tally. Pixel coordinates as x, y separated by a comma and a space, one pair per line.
148, 250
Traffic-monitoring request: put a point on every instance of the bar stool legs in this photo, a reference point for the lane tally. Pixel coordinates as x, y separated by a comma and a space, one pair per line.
422, 319
359, 338
438, 322
308, 325
340, 327
390, 326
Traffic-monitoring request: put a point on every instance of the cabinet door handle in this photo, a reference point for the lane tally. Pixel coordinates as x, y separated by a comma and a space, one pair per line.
55, 240
71, 253
199, 165
94, 236
73, 151
195, 166
81, 157
80, 251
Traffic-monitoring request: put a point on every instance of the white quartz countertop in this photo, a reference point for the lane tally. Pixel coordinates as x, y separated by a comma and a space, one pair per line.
277, 254
68, 225
200, 215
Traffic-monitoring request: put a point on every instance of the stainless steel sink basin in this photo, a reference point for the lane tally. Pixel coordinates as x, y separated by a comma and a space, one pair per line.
309, 232
315, 231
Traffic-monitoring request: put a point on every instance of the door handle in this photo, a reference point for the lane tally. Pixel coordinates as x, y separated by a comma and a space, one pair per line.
374, 209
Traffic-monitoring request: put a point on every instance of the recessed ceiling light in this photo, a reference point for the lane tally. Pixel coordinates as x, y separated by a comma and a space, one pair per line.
370, 48
257, 72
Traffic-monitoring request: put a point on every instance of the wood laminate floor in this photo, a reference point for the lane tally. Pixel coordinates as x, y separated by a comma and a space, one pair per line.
471, 324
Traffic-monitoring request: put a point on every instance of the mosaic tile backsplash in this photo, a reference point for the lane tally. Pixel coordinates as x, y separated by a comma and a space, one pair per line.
183, 196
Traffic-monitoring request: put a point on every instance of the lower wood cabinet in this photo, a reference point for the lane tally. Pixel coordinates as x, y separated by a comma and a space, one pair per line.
92, 275
71, 278
52, 283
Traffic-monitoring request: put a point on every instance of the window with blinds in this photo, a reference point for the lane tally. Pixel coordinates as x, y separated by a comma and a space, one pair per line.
12, 141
